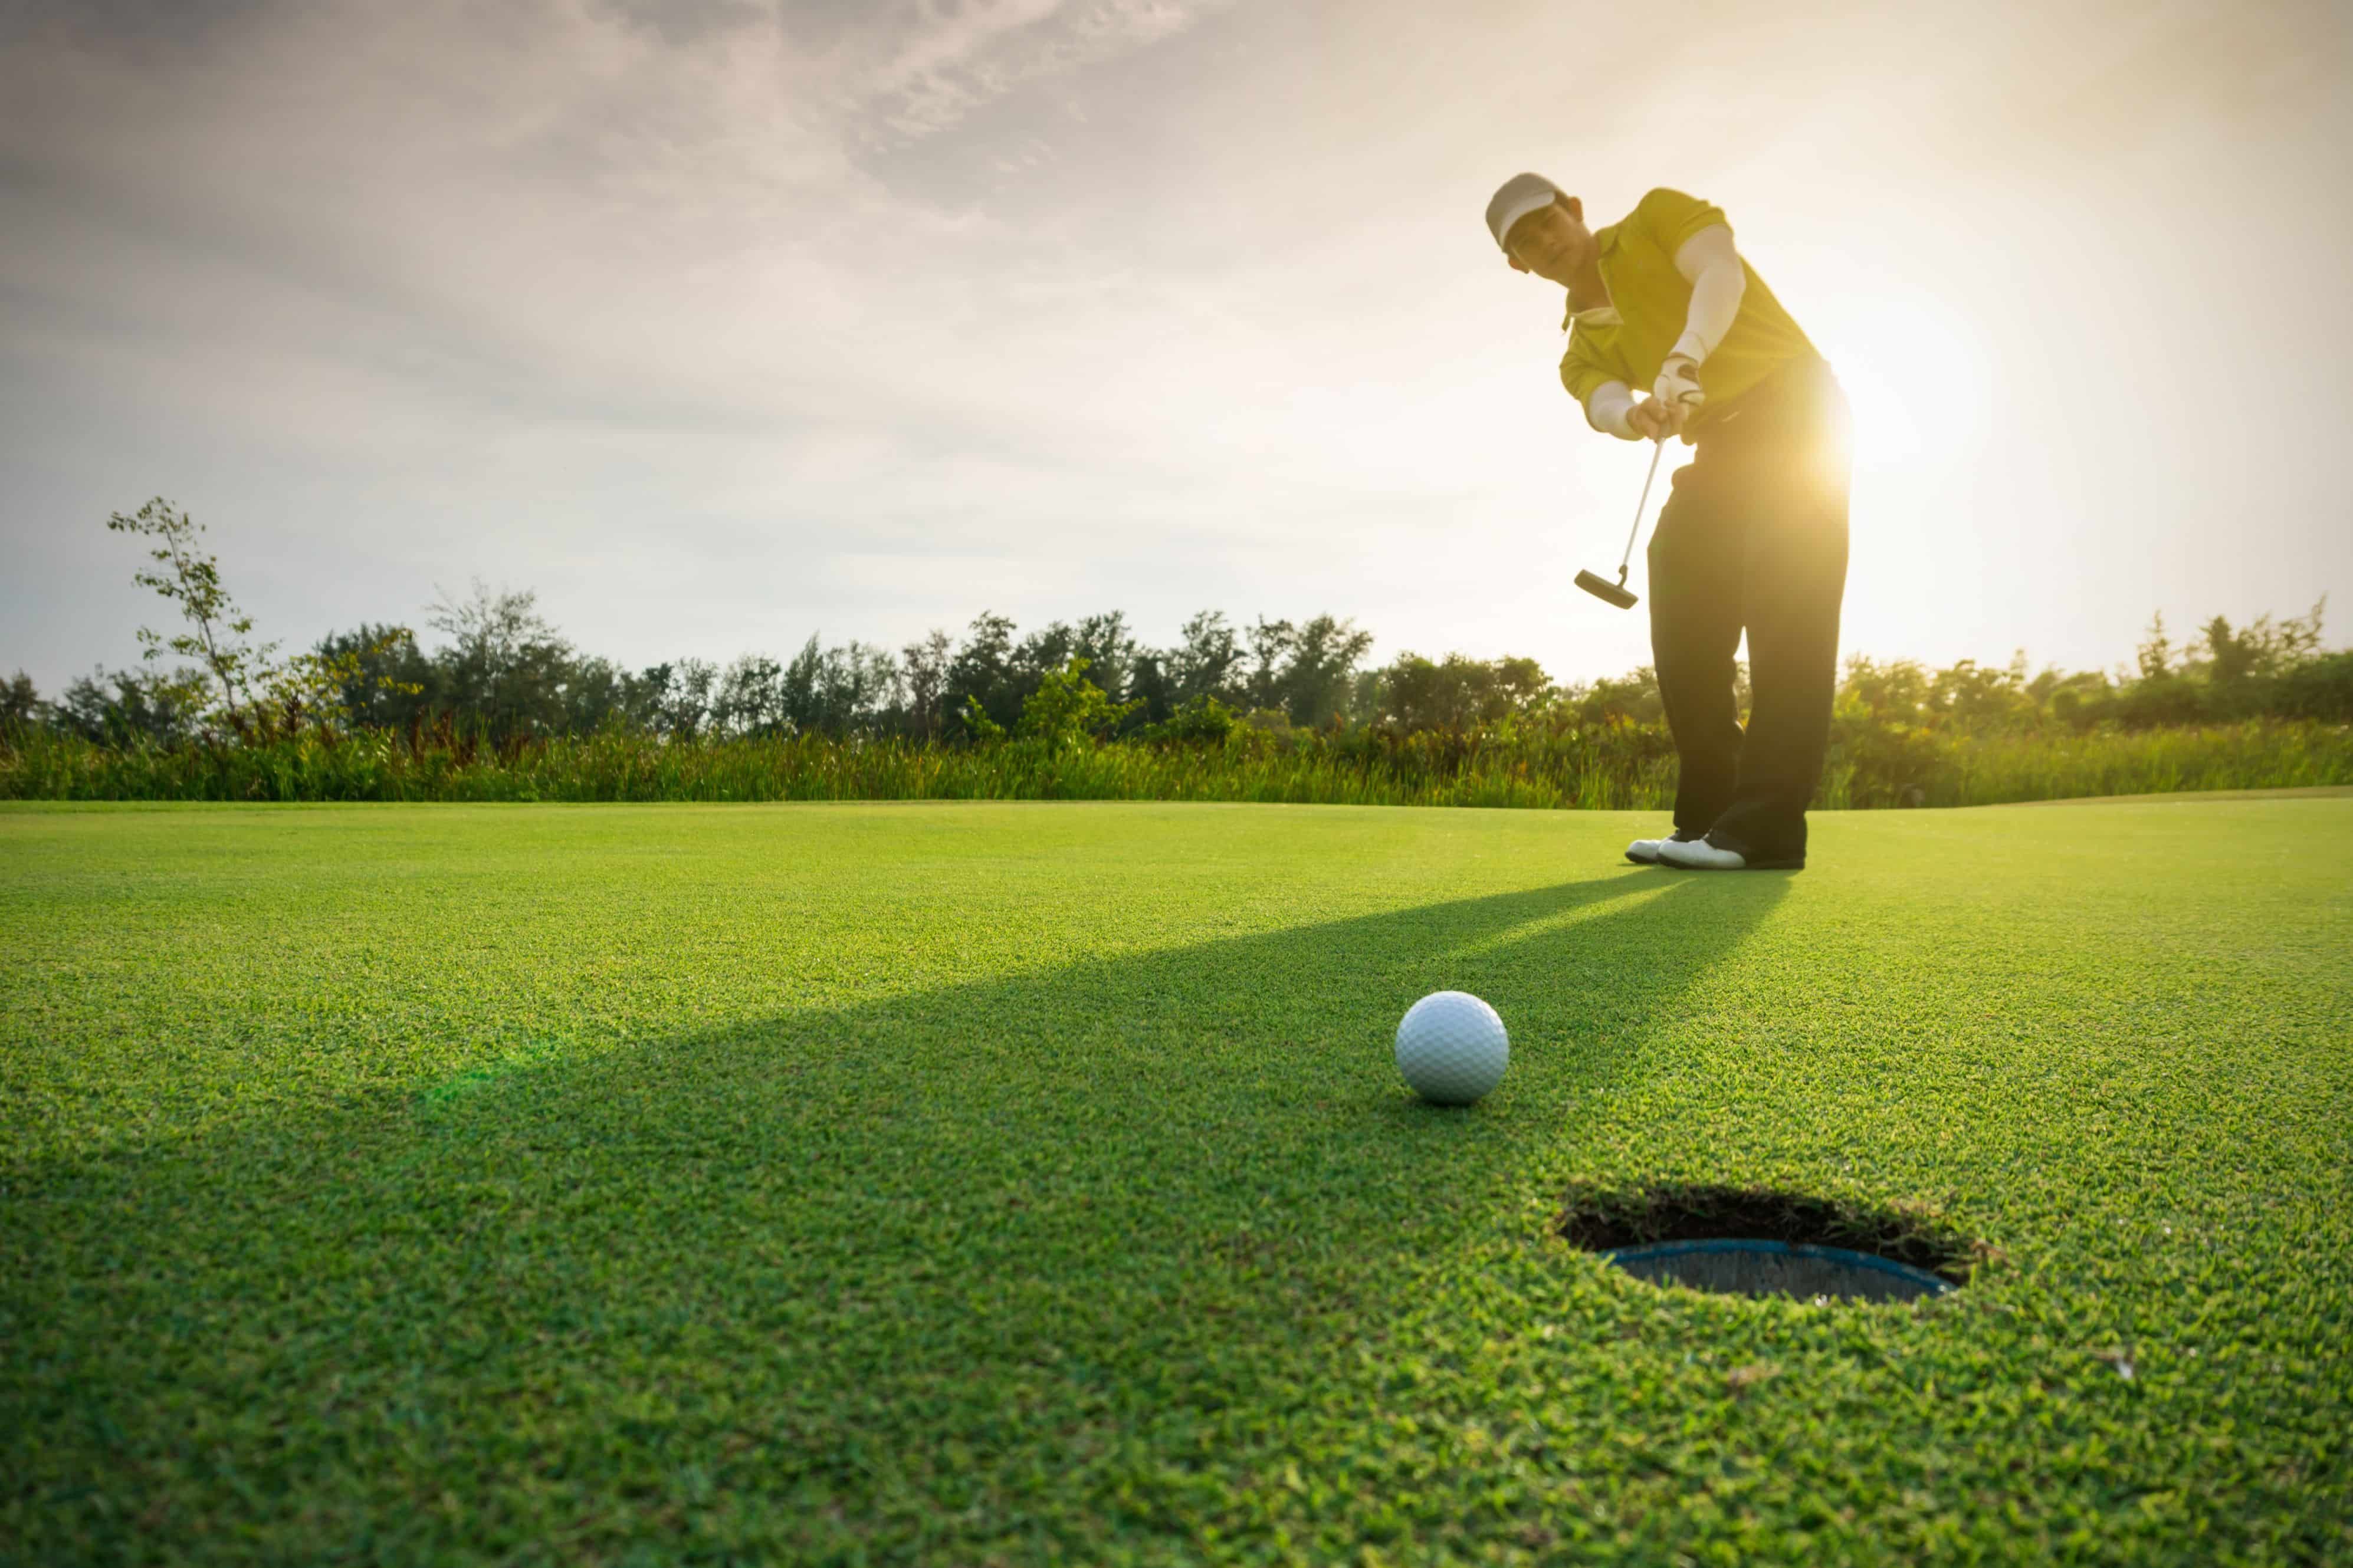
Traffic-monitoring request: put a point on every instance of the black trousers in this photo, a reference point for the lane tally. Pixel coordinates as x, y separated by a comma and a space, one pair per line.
1754, 538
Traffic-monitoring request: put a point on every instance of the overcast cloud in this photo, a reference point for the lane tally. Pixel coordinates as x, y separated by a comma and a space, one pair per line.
721, 322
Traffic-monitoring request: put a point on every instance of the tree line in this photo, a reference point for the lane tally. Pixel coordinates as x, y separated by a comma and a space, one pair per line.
500, 670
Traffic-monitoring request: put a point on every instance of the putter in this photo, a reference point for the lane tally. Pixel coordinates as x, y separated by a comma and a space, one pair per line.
1615, 593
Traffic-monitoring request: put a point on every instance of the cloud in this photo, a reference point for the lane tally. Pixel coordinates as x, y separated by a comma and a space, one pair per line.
956, 59
551, 191
1178, 304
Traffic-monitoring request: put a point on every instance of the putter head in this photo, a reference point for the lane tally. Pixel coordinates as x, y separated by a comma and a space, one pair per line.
1606, 591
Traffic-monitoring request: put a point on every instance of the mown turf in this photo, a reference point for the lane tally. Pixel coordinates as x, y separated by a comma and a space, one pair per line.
1031, 1182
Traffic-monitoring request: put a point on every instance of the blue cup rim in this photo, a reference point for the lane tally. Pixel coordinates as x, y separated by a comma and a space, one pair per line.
1932, 1284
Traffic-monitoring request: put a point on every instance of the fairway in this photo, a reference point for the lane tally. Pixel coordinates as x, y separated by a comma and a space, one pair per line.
970, 1183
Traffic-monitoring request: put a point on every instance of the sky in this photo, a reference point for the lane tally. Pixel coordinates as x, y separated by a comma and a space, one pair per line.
721, 324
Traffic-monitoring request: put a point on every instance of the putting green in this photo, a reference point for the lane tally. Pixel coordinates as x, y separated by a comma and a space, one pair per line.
970, 1183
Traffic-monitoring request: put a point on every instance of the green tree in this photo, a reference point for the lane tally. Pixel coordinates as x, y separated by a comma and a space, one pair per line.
978, 724
925, 666
1068, 709
1272, 644
391, 684
1457, 693
505, 668
20, 704
1321, 667
1208, 662
125, 707
227, 664
2155, 654
245, 682
981, 675
1111, 651
1202, 721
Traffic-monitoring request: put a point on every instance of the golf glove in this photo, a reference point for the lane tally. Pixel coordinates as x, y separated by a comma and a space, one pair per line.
1677, 387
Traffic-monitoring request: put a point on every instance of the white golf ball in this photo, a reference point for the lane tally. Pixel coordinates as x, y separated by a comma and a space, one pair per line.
1451, 1047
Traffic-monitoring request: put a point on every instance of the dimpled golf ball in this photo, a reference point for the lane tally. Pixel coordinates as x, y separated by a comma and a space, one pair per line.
1451, 1047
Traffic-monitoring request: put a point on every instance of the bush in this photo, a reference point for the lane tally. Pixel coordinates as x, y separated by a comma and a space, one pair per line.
1198, 720
1068, 709
2321, 690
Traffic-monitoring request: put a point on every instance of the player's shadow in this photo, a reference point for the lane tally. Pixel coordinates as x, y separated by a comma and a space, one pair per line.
1158, 1183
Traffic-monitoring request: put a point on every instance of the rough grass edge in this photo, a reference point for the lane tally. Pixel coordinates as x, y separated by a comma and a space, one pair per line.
1626, 768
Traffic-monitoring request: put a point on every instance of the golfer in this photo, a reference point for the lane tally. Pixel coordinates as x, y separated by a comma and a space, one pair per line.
1754, 536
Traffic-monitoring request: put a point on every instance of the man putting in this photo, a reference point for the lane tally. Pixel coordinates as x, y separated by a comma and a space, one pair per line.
1754, 536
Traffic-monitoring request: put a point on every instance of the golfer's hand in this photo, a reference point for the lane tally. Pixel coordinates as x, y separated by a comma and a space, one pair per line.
1651, 420
1677, 387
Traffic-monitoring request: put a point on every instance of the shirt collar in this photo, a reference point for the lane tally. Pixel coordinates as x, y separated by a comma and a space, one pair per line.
1600, 315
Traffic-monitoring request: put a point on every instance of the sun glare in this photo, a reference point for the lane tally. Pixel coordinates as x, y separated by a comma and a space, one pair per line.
1914, 372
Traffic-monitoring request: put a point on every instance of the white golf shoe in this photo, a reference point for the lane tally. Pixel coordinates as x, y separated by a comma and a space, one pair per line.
1647, 851
1699, 855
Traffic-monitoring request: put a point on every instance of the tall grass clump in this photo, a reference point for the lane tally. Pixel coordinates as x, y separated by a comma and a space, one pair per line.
1615, 766
2257, 755
627, 765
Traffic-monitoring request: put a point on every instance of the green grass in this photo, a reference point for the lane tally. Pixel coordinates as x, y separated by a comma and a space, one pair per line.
1014, 1183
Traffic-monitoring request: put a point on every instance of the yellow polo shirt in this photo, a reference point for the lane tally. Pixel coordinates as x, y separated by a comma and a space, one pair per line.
1650, 300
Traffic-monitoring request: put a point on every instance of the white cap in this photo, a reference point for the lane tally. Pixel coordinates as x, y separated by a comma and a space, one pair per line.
1515, 199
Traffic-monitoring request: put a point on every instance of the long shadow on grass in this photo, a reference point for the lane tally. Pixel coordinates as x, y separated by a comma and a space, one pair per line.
836, 1271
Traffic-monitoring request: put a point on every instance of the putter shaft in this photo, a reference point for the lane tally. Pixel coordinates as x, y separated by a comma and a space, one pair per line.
1657, 448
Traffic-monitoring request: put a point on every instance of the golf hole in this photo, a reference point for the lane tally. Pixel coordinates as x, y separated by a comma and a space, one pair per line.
1735, 1242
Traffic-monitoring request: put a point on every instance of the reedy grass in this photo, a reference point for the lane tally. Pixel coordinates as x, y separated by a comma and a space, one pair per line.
2000, 769
1615, 767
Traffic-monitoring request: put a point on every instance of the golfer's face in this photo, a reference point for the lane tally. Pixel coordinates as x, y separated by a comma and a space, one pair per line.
1548, 242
